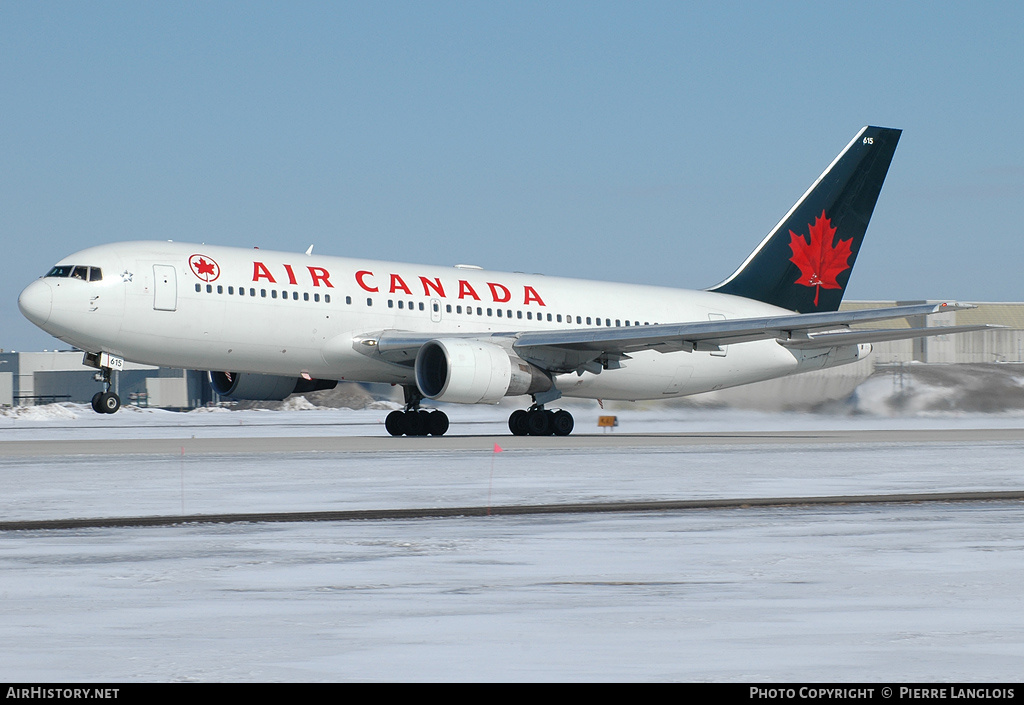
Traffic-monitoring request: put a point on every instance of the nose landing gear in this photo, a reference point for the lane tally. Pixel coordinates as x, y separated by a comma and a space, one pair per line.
105, 402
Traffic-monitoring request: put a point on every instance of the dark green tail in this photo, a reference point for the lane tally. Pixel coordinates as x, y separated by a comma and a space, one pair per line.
805, 262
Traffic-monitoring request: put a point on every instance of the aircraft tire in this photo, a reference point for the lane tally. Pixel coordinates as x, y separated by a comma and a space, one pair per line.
110, 402
437, 423
517, 423
395, 423
538, 422
416, 423
96, 403
562, 423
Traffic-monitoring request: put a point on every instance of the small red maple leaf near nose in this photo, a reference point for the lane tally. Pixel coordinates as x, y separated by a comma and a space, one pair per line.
819, 262
204, 267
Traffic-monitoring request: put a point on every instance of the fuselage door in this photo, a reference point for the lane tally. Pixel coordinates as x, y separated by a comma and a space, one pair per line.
435, 310
165, 288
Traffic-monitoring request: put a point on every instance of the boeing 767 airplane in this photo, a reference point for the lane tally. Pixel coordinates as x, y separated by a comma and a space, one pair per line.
270, 324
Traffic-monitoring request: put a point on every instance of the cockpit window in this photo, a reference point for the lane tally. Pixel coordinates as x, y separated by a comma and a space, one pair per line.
89, 274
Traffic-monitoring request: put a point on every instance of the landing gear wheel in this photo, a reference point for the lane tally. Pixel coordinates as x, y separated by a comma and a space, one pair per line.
562, 423
538, 422
109, 402
416, 422
395, 423
96, 403
437, 423
517, 423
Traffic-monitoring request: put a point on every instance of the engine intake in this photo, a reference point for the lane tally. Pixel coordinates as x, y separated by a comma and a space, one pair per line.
253, 387
473, 372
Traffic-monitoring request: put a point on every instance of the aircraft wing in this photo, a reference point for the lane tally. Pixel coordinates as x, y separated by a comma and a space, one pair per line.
569, 350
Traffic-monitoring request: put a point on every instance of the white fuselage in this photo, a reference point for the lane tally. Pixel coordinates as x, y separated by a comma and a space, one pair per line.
258, 311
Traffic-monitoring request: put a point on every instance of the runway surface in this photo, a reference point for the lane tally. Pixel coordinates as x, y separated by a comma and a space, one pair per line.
846, 590
580, 441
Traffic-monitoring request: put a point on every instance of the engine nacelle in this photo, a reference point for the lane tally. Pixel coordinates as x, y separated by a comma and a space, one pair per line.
474, 372
253, 387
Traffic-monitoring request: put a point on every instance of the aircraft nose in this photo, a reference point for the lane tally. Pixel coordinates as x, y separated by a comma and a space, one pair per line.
36, 302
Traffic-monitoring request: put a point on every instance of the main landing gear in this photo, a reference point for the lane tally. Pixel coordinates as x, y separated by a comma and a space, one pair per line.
414, 421
105, 402
537, 421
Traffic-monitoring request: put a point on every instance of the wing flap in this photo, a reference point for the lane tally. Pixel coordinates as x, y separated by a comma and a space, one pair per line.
857, 337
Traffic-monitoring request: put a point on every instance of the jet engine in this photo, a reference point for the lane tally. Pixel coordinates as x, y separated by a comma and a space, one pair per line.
253, 387
473, 372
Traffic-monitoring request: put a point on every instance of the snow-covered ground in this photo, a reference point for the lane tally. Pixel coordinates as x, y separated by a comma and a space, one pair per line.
855, 593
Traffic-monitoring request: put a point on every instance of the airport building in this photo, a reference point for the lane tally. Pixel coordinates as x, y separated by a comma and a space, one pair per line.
31, 378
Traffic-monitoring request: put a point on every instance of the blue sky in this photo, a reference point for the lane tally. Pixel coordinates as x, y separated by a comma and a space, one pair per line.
640, 142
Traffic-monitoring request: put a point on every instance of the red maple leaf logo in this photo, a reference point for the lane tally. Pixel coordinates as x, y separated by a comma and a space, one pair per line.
204, 267
819, 262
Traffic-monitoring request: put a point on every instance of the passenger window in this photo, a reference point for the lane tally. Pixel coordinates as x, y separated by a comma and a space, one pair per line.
489, 312
448, 308
327, 298
369, 301
231, 290
220, 289
199, 289
519, 314
529, 315
305, 296
549, 318
348, 300
209, 288
316, 297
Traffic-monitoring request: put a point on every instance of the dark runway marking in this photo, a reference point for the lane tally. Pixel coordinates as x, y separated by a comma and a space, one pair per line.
509, 510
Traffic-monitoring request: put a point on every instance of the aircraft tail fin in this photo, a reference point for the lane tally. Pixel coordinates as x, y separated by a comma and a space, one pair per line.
805, 262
